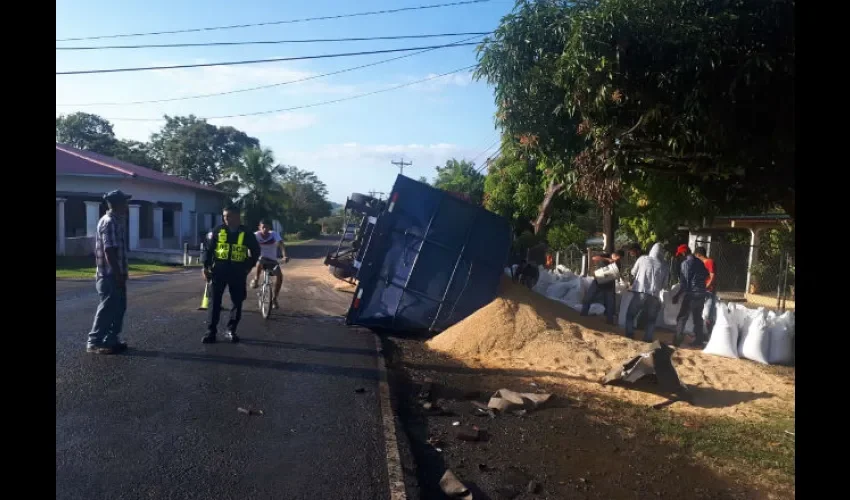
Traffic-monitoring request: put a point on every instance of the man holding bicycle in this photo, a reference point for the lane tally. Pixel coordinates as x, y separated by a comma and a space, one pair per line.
270, 241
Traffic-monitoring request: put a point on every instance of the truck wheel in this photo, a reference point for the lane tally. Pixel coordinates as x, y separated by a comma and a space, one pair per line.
339, 272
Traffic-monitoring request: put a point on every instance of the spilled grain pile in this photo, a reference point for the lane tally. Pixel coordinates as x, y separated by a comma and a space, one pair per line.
522, 330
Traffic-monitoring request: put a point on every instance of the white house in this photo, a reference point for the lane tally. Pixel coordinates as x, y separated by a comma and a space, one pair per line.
165, 211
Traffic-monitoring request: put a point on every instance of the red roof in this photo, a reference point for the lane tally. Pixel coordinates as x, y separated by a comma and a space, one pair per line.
72, 161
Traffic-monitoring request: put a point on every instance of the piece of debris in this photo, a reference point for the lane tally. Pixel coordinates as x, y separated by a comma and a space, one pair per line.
790, 433
506, 399
425, 391
452, 486
249, 412
469, 434
533, 487
520, 413
360, 390
427, 405
455, 423
657, 361
484, 468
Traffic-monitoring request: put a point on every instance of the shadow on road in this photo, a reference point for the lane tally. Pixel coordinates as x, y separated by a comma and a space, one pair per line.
311, 347
342, 371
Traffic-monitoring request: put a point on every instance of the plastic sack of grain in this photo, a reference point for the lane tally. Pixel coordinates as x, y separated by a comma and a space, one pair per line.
724, 337
756, 345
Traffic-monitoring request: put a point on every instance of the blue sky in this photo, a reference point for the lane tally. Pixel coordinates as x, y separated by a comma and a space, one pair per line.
348, 144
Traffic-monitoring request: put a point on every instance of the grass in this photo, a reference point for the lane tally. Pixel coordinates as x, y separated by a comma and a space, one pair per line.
83, 267
760, 447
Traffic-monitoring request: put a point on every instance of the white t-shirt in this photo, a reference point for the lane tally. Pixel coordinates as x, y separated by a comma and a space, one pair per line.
268, 244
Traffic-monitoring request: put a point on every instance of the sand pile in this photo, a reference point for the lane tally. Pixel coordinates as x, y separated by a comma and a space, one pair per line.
344, 286
526, 331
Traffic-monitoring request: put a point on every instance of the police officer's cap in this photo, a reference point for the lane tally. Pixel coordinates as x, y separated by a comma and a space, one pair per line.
116, 196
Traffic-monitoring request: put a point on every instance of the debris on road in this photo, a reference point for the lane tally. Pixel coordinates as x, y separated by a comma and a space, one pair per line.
360, 390
657, 361
469, 433
249, 412
452, 486
533, 487
505, 399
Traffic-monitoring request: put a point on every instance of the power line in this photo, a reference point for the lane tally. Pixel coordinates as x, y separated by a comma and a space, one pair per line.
305, 106
485, 150
270, 42
260, 87
257, 61
490, 158
272, 23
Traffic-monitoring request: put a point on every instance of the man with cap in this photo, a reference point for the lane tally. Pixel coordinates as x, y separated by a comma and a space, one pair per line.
110, 249
692, 279
231, 253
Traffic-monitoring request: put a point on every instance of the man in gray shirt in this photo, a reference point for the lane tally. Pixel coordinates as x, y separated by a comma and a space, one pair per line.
110, 250
650, 275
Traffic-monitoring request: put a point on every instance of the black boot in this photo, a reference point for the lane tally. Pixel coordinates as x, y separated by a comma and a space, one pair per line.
231, 335
209, 338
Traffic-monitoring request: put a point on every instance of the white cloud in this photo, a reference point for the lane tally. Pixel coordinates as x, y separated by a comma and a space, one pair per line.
463, 79
354, 167
215, 79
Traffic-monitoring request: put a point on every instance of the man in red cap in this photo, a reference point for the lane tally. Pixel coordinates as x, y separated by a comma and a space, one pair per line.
692, 278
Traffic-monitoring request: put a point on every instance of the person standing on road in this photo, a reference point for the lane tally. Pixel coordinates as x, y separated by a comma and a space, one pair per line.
110, 250
692, 278
710, 290
231, 252
605, 286
270, 244
649, 276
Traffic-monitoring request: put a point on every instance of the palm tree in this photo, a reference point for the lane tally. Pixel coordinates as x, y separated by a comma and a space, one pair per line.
253, 184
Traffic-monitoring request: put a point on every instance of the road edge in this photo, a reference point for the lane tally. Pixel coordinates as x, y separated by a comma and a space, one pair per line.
395, 470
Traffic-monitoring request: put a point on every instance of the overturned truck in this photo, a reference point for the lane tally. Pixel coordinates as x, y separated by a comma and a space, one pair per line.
423, 260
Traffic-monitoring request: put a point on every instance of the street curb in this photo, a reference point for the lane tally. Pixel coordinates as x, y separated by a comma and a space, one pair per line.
395, 472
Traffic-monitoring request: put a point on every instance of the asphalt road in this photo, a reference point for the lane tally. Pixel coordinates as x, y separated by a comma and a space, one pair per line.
161, 420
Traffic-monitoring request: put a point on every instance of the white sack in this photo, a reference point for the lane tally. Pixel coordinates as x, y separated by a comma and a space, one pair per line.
558, 289
724, 337
756, 346
781, 340
543, 281
669, 310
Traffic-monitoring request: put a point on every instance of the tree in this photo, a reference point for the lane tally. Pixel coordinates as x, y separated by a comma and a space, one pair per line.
332, 224
137, 153
306, 198
423, 179
252, 183
562, 236
191, 148
461, 177
703, 93
87, 132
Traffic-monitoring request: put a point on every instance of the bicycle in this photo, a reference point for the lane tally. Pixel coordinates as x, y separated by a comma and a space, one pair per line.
266, 290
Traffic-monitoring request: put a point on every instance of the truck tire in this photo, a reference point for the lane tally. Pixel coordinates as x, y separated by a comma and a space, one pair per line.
339, 272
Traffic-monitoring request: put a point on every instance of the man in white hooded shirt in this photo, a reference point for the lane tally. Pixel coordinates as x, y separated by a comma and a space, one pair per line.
650, 275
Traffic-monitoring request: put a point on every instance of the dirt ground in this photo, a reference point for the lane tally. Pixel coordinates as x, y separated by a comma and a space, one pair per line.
581, 445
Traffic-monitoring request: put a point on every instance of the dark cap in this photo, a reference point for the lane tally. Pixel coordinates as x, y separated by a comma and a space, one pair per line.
116, 195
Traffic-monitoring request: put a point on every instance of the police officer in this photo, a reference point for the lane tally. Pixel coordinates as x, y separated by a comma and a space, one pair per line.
231, 252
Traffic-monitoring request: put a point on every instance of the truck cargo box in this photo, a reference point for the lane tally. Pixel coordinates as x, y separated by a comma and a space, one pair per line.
432, 260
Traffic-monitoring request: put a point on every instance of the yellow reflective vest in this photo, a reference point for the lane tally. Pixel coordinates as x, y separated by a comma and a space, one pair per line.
236, 252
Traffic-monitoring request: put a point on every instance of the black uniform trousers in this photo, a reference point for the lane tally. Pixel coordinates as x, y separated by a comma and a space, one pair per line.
234, 280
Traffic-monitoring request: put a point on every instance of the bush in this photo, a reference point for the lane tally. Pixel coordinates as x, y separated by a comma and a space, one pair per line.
309, 231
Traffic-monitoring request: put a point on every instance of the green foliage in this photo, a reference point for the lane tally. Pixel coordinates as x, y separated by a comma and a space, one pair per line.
309, 231
461, 177
252, 184
191, 148
562, 236
306, 198
93, 133
525, 241
332, 224
608, 90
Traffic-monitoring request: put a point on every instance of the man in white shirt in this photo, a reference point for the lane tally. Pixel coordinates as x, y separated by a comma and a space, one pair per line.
270, 241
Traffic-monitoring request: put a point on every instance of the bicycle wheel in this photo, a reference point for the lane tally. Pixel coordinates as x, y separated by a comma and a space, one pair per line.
266, 301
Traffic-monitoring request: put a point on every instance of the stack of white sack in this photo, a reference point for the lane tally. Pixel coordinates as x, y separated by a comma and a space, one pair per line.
754, 334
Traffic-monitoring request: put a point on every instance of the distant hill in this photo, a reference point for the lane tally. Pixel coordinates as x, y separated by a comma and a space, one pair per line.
336, 208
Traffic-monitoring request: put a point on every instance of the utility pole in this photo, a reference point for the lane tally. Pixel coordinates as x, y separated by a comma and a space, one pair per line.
401, 164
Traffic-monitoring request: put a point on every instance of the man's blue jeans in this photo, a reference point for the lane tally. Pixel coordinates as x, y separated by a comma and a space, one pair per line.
651, 306
608, 300
109, 317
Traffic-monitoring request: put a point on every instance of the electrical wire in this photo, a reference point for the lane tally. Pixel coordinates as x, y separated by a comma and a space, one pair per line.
492, 157
260, 87
273, 23
270, 42
485, 150
305, 106
256, 61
